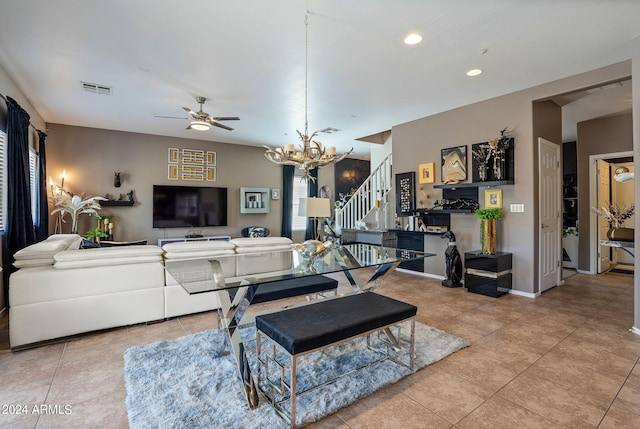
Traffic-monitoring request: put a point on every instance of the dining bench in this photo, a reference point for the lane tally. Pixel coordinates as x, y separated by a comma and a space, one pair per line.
313, 327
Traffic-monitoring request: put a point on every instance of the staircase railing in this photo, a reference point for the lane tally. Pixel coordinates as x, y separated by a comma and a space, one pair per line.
363, 201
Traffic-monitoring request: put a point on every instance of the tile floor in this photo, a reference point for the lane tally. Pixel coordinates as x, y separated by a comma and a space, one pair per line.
563, 360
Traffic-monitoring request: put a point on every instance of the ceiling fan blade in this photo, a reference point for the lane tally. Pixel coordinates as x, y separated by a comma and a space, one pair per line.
189, 111
215, 124
169, 117
225, 118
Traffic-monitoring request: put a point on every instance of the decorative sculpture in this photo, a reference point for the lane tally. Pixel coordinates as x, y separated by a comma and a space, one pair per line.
453, 261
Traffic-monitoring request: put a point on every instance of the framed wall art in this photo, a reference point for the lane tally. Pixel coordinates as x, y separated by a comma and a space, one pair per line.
427, 172
405, 195
493, 199
454, 164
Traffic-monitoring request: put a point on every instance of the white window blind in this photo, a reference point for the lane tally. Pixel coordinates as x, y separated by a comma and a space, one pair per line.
33, 183
298, 223
3, 180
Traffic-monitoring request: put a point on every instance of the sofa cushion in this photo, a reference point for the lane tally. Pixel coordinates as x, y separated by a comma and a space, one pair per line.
105, 256
265, 249
203, 254
69, 238
28, 263
42, 250
260, 241
196, 246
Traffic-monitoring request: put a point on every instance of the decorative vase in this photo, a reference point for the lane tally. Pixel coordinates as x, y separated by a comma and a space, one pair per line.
499, 165
620, 234
488, 236
482, 171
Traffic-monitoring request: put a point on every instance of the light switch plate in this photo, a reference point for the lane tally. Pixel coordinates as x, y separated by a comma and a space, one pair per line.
516, 208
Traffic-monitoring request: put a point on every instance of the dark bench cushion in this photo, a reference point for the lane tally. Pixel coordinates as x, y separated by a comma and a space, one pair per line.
328, 321
289, 288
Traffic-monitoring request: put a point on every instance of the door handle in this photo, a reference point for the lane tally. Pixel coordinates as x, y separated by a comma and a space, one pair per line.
544, 225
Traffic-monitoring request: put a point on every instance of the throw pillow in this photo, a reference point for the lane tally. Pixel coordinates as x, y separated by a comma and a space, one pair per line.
123, 243
88, 244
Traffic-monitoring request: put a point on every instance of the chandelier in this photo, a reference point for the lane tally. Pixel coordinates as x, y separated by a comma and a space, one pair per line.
310, 153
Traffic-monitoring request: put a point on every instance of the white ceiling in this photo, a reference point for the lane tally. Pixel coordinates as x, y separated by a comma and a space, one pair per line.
247, 57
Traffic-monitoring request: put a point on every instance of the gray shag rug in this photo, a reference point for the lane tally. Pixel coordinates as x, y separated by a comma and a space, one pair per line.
189, 383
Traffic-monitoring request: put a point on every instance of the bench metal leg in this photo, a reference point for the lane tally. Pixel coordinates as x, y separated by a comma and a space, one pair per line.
294, 362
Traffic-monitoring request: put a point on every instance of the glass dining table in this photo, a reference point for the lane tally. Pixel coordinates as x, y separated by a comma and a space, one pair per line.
235, 293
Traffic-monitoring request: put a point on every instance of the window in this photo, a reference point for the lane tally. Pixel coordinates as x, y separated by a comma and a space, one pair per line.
298, 223
3, 180
33, 183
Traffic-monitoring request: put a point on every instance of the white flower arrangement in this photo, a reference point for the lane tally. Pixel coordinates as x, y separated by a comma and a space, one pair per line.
75, 205
615, 215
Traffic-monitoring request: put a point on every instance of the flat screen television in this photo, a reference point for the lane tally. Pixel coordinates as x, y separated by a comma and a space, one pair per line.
189, 206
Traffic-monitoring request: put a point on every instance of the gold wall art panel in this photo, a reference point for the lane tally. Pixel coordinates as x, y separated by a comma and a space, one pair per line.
192, 164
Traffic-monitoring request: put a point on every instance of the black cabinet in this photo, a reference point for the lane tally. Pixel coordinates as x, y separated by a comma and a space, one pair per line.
411, 240
488, 275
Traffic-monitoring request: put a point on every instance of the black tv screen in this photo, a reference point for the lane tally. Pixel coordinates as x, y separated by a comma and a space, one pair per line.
189, 206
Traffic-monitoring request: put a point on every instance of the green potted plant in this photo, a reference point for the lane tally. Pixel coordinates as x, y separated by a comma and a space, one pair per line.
488, 231
95, 235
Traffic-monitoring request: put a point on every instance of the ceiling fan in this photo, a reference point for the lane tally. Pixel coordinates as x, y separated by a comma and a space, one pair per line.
201, 120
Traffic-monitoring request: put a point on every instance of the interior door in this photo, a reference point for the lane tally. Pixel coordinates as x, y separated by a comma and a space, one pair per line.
623, 194
549, 219
603, 177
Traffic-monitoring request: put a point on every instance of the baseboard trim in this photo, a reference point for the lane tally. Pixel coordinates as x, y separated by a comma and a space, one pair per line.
585, 272
635, 330
416, 273
525, 294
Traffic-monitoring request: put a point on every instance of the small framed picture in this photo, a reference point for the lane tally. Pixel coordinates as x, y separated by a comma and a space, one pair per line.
493, 198
427, 172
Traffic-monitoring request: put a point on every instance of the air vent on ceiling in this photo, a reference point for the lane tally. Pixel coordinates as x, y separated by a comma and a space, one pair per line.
329, 130
97, 88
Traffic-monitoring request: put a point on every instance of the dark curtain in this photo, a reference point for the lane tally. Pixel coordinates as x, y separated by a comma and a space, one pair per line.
19, 231
287, 200
312, 191
42, 224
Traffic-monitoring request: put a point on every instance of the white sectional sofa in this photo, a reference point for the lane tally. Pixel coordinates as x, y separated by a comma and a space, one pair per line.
61, 290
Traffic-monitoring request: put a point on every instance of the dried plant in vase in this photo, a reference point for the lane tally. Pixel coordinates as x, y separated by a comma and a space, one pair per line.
75, 205
497, 148
482, 155
616, 215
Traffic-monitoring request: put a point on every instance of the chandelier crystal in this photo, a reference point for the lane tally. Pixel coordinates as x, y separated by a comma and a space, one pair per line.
310, 153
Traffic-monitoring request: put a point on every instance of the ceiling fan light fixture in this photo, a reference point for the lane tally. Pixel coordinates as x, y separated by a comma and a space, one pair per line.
199, 125
413, 39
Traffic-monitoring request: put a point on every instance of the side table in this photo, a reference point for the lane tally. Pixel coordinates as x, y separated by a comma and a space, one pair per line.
488, 275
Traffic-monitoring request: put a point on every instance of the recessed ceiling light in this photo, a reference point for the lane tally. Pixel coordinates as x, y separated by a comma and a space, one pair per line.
474, 72
413, 39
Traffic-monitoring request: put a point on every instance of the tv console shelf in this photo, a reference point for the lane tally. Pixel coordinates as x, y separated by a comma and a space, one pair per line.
163, 241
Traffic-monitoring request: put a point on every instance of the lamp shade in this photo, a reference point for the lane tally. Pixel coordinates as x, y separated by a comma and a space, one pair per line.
314, 207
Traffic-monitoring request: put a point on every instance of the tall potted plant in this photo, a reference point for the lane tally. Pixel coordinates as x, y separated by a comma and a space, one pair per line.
488, 230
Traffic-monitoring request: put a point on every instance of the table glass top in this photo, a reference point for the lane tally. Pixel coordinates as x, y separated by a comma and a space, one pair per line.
232, 271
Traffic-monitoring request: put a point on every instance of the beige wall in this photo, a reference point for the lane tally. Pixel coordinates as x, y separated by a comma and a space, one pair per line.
596, 137
420, 141
90, 157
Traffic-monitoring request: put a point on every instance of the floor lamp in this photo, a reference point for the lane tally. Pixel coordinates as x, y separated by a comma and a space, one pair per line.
315, 208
